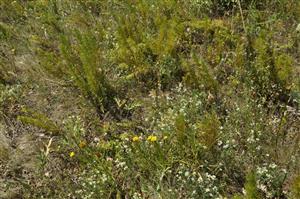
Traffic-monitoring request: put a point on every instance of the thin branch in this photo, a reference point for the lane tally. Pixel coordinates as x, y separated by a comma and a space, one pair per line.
242, 15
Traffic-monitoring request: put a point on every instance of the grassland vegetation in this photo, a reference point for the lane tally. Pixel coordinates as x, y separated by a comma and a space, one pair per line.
150, 99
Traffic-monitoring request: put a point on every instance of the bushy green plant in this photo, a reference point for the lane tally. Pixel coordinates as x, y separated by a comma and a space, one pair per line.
251, 187
138, 50
85, 68
39, 120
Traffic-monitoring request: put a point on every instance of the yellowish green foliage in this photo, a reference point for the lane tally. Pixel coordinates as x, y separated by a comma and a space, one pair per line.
296, 188
251, 187
181, 129
198, 74
284, 68
39, 120
208, 130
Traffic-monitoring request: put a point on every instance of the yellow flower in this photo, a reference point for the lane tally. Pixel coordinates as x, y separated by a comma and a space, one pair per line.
152, 138
135, 139
72, 154
165, 137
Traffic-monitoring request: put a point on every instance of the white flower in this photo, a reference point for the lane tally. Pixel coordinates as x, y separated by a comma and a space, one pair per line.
298, 28
220, 142
263, 188
200, 179
186, 174
273, 165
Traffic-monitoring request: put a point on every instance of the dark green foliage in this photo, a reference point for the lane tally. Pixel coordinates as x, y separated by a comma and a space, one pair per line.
84, 64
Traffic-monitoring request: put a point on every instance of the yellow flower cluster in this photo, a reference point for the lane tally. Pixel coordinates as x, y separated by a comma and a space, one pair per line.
152, 138
135, 139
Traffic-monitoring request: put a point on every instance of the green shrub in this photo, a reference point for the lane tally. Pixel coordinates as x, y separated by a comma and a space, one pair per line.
85, 67
251, 187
